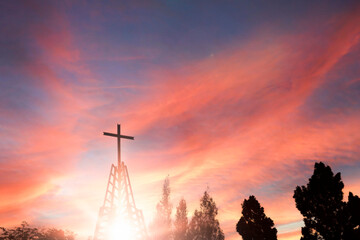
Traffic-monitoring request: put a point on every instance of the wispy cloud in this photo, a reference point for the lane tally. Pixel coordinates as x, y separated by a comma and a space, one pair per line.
243, 120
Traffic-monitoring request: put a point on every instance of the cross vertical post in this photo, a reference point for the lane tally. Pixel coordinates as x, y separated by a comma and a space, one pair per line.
118, 144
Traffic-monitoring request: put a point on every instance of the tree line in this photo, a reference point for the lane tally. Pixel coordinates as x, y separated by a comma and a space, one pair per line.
326, 215
25, 232
203, 225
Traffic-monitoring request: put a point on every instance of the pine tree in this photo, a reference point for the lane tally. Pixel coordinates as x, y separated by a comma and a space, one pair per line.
254, 224
353, 210
204, 225
321, 204
161, 226
181, 221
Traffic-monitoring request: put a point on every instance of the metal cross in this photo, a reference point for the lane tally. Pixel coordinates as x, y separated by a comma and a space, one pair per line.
118, 136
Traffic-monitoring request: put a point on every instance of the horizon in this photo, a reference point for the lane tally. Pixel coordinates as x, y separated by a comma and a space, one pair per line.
238, 97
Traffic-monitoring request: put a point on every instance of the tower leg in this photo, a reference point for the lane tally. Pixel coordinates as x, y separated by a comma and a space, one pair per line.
119, 203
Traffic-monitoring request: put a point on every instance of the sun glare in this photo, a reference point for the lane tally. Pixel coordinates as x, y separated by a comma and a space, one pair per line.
121, 229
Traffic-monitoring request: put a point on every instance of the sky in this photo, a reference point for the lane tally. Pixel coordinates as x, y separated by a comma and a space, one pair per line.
237, 97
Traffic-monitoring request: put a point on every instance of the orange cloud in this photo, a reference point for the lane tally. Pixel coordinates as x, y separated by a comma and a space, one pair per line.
234, 122
238, 117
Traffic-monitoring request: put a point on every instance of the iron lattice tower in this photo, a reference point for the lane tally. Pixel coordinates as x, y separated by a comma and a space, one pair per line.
119, 200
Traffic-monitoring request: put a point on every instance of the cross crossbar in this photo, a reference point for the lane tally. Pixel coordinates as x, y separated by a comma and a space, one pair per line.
118, 135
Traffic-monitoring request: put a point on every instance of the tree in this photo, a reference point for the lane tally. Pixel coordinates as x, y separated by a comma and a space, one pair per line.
204, 225
353, 210
57, 234
181, 221
320, 202
254, 224
24, 232
326, 215
161, 226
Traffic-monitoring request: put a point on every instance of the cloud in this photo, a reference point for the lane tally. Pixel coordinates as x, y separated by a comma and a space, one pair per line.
239, 118
238, 121
40, 116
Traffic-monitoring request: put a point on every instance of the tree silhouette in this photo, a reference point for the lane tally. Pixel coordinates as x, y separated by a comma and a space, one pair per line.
57, 234
181, 221
326, 215
353, 210
254, 224
161, 226
24, 232
204, 225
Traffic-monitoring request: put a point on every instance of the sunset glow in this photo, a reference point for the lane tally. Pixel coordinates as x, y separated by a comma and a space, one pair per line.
241, 97
121, 229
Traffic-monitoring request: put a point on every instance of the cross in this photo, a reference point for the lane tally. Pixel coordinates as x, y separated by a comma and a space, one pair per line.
118, 136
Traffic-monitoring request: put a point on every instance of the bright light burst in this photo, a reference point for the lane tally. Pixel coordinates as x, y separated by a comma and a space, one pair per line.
121, 229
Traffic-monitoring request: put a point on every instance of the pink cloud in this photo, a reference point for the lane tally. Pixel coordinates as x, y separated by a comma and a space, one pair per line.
236, 121
228, 149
